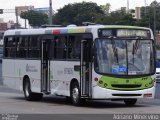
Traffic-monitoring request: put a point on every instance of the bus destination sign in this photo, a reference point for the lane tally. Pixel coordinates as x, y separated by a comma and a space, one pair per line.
132, 33
124, 33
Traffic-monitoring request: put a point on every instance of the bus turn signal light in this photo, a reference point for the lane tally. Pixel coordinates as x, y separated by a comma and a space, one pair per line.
147, 95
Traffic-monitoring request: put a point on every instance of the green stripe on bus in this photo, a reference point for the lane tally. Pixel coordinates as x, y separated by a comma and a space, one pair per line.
130, 83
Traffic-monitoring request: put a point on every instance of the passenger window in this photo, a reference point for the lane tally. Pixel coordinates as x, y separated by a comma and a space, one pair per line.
74, 47
60, 45
22, 47
34, 47
10, 49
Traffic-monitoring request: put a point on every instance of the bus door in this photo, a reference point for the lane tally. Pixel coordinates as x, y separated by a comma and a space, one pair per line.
45, 66
86, 68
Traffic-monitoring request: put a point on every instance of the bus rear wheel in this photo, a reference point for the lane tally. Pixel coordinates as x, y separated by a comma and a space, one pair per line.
130, 102
75, 94
29, 95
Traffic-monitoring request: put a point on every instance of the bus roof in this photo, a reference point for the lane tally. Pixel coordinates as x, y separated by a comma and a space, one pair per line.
65, 30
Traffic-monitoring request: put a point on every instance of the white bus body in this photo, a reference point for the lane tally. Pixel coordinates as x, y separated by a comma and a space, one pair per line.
73, 77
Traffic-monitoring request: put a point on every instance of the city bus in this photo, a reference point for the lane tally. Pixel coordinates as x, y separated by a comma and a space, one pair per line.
94, 62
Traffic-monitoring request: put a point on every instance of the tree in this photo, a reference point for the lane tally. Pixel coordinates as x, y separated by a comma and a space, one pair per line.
118, 17
154, 3
148, 17
106, 8
36, 19
77, 13
127, 19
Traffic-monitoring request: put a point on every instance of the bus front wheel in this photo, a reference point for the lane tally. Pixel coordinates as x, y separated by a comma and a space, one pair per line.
130, 102
29, 95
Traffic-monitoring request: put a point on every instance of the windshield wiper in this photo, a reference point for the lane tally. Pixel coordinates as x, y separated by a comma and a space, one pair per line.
135, 48
115, 51
137, 43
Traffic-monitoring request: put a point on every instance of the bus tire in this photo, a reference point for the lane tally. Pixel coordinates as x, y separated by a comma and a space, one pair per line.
68, 99
29, 95
75, 94
130, 102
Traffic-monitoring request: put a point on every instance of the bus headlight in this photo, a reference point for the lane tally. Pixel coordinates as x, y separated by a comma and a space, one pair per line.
96, 79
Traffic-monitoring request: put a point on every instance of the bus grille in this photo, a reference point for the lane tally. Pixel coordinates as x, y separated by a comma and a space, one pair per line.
125, 86
126, 94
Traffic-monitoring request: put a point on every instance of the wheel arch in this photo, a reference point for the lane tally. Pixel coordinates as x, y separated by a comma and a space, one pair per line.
74, 80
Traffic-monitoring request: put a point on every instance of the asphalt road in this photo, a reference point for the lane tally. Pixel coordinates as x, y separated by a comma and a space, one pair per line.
15, 103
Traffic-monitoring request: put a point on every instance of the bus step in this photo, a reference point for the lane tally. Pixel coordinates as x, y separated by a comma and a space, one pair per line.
47, 93
84, 96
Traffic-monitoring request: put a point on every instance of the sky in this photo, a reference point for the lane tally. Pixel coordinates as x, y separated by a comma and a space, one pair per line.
56, 4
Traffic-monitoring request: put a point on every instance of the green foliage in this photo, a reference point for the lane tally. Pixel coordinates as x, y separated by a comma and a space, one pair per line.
87, 11
77, 13
148, 17
36, 19
157, 47
106, 8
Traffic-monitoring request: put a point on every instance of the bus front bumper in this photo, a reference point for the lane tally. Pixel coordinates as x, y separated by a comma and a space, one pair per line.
102, 93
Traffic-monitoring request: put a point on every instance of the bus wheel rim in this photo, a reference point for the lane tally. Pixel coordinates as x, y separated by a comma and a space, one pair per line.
27, 90
75, 94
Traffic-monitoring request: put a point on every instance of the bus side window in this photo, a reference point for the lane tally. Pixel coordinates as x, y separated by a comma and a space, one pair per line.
74, 47
10, 49
21, 51
52, 49
60, 47
70, 46
34, 47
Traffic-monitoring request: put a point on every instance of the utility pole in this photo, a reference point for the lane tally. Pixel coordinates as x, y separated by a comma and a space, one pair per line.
154, 19
127, 6
145, 7
50, 12
16, 11
25, 23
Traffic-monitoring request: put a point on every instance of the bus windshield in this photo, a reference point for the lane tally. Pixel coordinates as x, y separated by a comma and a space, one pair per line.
124, 56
